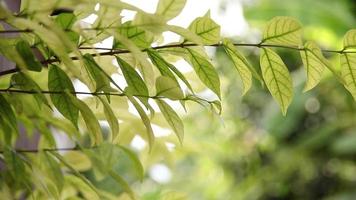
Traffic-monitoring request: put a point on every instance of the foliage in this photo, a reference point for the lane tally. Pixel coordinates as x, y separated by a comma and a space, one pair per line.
101, 159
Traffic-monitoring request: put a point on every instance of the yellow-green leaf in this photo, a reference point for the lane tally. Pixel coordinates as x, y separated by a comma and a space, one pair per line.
170, 8
205, 71
93, 126
240, 63
348, 72
277, 78
350, 39
172, 118
145, 120
112, 120
283, 30
136, 85
313, 61
206, 28
58, 81
101, 80
164, 67
167, 87
137, 35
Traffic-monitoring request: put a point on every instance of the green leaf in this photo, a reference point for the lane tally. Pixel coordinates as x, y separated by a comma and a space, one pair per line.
121, 181
66, 20
206, 28
167, 87
205, 71
7, 114
277, 78
112, 120
172, 118
240, 63
165, 68
58, 81
24, 82
15, 165
143, 65
313, 61
170, 8
282, 30
145, 120
348, 72
93, 126
52, 170
134, 81
101, 81
75, 172
350, 39
24, 49
137, 35
137, 164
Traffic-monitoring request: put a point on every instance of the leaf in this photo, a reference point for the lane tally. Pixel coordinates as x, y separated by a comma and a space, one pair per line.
350, 39
58, 81
313, 61
101, 81
145, 120
172, 118
206, 28
137, 164
52, 170
24, 82
134, 81
75, 172
93, 126
24, 49
122, 183
7, 114
240, 63
157, 25
348, 72
170, 8
167, 87
277, 78
65, 20
14, 164
205, 71
143, 65
282, 30
164, 67
137, 35
112, 120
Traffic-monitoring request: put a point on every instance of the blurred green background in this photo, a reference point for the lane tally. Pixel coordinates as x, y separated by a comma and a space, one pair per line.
252, 151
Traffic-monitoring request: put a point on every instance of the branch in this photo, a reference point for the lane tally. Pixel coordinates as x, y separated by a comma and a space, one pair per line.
115, 51
46, 149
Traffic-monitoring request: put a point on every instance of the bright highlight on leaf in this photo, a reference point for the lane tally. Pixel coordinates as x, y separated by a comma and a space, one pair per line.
277, 78
170, 8
240, 63
284, 31
350, 39
206, 28
314, 64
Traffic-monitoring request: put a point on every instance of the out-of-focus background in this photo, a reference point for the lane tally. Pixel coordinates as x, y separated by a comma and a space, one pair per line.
252, 151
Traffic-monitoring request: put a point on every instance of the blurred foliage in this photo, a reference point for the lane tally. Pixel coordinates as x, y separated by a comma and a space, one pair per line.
253, 152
